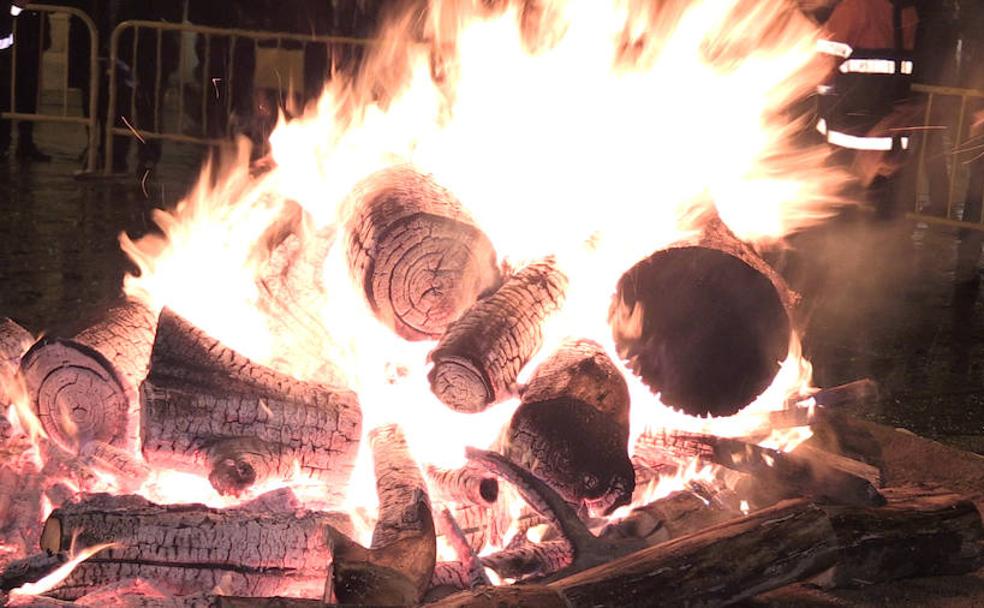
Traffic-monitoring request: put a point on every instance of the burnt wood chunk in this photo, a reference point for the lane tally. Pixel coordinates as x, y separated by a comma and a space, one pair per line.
205, 408
191, 548
14, 342
572, 428
705, 323
396, 569
419, 258
478, 360
85, 387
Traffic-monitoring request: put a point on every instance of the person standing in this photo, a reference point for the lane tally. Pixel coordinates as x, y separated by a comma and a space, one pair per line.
863, 105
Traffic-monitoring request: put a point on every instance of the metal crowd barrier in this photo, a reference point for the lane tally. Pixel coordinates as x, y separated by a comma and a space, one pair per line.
91, 122
230, 39
947, 152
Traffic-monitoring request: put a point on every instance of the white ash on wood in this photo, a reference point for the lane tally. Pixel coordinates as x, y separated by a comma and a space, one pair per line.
188, 548
205, 408
478, 360
418, 256
85, 387
704, 322
572, 427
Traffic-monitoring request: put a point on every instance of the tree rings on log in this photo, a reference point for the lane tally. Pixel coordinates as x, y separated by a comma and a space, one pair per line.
572, 428
83, 387
706, 324
206, 408
417, 255
478, 360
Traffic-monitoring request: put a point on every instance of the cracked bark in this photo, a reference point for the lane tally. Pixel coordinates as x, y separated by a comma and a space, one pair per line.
572, 428
419, 258
188, 548
84, 387
468, 485
705, 322
206, 408
477, 361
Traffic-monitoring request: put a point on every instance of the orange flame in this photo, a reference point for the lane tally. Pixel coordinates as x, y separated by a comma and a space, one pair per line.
54, 579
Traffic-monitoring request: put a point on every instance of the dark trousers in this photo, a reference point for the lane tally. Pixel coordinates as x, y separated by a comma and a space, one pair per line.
30, 35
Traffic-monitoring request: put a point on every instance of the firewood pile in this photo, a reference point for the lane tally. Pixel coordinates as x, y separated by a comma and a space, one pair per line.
556, 513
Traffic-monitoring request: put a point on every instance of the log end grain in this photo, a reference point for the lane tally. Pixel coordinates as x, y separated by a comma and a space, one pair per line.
78, 393
713, 328
459, 383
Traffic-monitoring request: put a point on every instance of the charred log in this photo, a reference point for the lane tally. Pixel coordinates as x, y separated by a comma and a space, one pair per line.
192, 547
531, 560
418, 256
572, 428
396, 569
129, 471
466, 573
30, 569
467, 485
673, 516
84, 387
205, 407
703, 323
839, 481
920, 532
14, 342
478, 360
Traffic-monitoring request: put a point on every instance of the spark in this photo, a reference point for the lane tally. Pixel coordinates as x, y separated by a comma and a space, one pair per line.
143, 184
215, 85
134, 131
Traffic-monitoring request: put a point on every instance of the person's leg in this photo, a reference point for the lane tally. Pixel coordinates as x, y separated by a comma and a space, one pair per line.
30, 30
5, 59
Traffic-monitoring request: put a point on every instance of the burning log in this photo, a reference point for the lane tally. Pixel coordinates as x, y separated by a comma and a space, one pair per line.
14, 342
418, 256
576, 398
673, 516
466, 573
467, 485
84, 387
396, 569
30, 569
790, 474
705, 323
531, 560
205, 406
188, 548
477, 361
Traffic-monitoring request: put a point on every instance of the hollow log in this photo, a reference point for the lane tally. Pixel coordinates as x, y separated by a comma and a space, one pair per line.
572, 428
189, 548
419, 258
467, 485
478, 360
85, 387
705, 323
396, 569
206, 408
839, 481
14, 342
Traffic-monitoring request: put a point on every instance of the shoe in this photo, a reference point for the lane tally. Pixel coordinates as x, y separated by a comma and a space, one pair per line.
31, 154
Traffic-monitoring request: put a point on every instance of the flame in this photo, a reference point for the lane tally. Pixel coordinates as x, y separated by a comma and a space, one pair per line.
591, 131
54, 579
